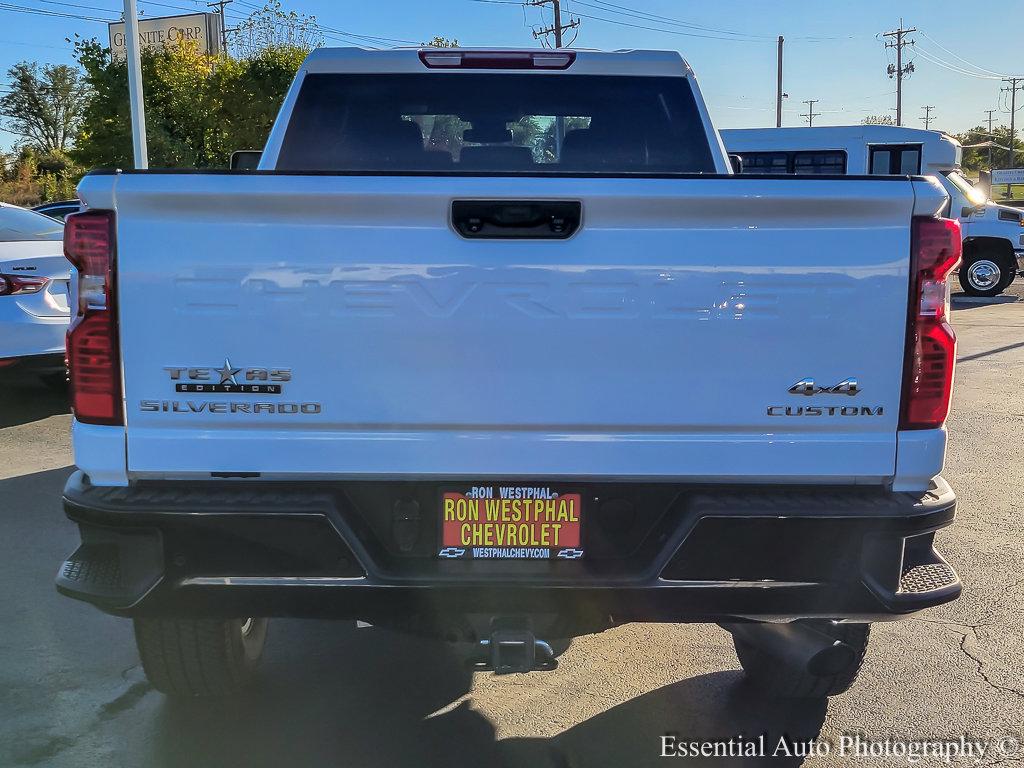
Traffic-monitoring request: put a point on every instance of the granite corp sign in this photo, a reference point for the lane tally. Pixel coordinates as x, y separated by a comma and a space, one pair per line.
202, 28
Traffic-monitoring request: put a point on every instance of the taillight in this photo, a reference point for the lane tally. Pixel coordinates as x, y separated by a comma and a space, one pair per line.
931, 343
94, 364
16, 285
453, 59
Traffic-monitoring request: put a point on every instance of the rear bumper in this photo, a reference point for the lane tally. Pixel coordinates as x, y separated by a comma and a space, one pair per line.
685, 554
24, 334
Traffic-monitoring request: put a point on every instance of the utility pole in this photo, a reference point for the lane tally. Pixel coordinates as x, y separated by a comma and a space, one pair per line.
136, 104
899, 71
219, 5
1013, 88
811, 114
558, 28
778, 93
991, 136
927, 117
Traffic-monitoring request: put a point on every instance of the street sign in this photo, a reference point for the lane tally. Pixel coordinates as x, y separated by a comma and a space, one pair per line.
1009, 176
203, 28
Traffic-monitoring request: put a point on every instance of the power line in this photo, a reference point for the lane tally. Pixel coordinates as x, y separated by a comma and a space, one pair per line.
73, 5
952, 67
631, 25
961, 58
58, 14
899, 71
653, 17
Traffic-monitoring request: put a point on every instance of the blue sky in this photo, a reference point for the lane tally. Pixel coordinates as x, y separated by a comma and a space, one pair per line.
833, 51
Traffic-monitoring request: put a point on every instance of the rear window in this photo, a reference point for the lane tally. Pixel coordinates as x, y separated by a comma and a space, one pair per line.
826, 162
765, 162
20, 225
505, 124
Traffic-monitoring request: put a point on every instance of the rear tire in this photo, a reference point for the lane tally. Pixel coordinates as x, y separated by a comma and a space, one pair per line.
207, 658
777, 679
985, 274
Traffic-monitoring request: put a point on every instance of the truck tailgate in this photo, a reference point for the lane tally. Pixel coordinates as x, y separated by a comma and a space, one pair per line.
660, 341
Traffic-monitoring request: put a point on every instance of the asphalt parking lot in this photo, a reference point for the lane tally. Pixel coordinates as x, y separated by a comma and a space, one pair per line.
330, 694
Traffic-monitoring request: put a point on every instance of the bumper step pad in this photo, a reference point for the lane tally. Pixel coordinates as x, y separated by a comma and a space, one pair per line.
927, 578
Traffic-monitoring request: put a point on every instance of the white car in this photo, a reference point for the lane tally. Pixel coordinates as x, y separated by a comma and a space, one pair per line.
34, 277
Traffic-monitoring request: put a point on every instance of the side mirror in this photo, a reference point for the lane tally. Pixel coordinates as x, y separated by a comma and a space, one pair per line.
737, 164
245, 159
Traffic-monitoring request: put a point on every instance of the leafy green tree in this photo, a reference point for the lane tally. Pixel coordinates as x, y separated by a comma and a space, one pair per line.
198, 108
45, 105
977, 158
28, 178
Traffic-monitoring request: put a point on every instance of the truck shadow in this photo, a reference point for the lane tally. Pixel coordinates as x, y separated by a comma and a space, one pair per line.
372, 698
22, 403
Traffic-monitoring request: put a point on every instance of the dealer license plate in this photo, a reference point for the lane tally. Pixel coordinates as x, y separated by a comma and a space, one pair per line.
510, 522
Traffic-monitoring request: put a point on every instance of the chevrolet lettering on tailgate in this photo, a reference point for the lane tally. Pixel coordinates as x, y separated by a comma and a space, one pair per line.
510, 523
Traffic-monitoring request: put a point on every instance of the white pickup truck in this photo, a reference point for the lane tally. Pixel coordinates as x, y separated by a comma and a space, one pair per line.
494, 347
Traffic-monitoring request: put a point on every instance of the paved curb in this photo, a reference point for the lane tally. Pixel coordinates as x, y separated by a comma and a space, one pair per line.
963, 299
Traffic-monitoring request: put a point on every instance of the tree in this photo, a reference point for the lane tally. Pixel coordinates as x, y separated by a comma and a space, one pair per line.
976, 159
441, 42
27, 178
45, 105
878, 120
272, 27
199, 108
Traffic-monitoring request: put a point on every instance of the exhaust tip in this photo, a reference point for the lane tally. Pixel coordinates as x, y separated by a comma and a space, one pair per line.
832, 660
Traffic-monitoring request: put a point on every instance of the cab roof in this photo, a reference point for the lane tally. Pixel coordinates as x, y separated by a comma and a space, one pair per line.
649, 63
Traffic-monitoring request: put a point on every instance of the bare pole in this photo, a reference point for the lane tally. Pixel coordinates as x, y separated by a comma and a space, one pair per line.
135, 95
778, 91
899, 70
991, 136
557, 29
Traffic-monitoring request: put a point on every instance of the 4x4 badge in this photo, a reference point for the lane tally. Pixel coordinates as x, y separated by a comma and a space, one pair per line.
808, 387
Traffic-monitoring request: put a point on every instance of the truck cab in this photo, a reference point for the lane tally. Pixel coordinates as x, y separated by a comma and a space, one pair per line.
993, 234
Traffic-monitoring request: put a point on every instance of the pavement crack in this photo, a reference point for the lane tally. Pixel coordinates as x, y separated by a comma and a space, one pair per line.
126, 700
980, 666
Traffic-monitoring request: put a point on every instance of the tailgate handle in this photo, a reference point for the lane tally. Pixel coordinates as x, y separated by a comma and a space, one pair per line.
505, 219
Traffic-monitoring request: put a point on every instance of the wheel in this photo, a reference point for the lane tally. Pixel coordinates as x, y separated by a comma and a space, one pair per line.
207, 657
775, 678
984, 275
